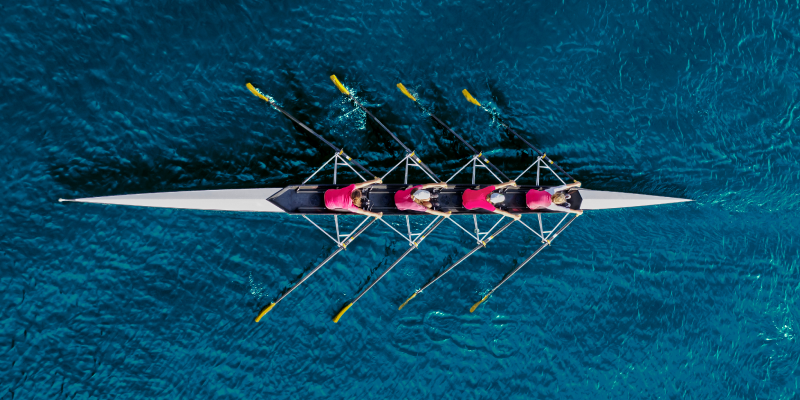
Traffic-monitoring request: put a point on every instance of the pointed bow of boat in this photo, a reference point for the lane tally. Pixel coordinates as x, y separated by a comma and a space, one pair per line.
600, 200
246, 200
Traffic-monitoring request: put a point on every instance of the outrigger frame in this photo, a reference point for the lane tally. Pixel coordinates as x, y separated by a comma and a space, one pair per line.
410, 160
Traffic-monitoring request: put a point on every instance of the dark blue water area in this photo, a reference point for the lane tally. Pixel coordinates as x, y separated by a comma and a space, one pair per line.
683, 99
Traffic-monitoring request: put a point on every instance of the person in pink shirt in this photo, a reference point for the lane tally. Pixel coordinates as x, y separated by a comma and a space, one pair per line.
551, 199
417, 198
486, 198
348, 199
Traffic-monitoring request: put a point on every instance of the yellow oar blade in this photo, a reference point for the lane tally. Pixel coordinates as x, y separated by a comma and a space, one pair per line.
474, 306
409, 299
257, 93
265, 311
341, 312
339, 85
405, 91
470, 98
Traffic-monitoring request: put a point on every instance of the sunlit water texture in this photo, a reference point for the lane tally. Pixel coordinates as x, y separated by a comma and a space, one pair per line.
696, 100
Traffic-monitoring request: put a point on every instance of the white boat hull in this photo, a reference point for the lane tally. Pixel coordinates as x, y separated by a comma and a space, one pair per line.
600, 200
255, 200
244, 200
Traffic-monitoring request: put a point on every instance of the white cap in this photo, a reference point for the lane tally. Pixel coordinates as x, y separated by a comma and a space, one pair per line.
422, 194
497, 198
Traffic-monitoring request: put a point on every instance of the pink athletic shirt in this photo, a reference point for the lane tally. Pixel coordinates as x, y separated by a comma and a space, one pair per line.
339, 199
403, 200
537, 199
477, 199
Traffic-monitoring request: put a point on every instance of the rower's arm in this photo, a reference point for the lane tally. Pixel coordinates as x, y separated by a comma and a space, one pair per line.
507, 214
368, 213
502, 185
434, 185
368, 183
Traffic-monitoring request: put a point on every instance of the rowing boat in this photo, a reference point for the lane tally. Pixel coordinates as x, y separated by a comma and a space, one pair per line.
307, 199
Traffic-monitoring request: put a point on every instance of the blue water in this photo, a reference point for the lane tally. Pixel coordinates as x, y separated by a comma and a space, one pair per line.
696, 100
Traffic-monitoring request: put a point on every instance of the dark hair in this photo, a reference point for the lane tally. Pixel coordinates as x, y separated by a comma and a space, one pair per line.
355, 195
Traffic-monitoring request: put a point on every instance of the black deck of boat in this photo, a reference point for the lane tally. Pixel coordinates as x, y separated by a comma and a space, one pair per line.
310, 199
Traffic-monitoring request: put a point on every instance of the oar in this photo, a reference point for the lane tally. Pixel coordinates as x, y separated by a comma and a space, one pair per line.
478, 247
508, 128
547, 243
342, 246
396, 139
411, 248
477, 153
304, 126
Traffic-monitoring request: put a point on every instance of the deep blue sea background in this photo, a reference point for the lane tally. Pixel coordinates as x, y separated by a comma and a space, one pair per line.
683, 99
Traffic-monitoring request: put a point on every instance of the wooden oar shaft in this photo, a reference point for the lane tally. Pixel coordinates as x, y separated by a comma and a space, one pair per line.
308, 129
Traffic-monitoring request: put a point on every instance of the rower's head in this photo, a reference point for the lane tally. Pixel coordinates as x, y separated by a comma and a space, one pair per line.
356, 197
422, 196
559, 198
495, 198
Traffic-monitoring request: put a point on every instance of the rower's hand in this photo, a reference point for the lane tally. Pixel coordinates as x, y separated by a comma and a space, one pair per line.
577, 184
447, 214
579, 212
378, 180
512, 183
379, 215
443, 185
516, 217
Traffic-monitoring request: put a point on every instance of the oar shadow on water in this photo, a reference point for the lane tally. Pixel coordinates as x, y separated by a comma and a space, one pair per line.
139, 174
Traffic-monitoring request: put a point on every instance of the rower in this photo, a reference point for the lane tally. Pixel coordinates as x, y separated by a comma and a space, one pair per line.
418, 198
486, 198
349, 198
552, 198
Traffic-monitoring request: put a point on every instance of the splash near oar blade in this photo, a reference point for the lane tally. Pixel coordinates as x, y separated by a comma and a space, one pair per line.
405, 91
265, 311
409, 299
341, 312
470, 98
339, 85
474, 306
257, 92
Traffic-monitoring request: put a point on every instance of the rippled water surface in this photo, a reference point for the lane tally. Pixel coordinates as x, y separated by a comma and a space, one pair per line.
681, 99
